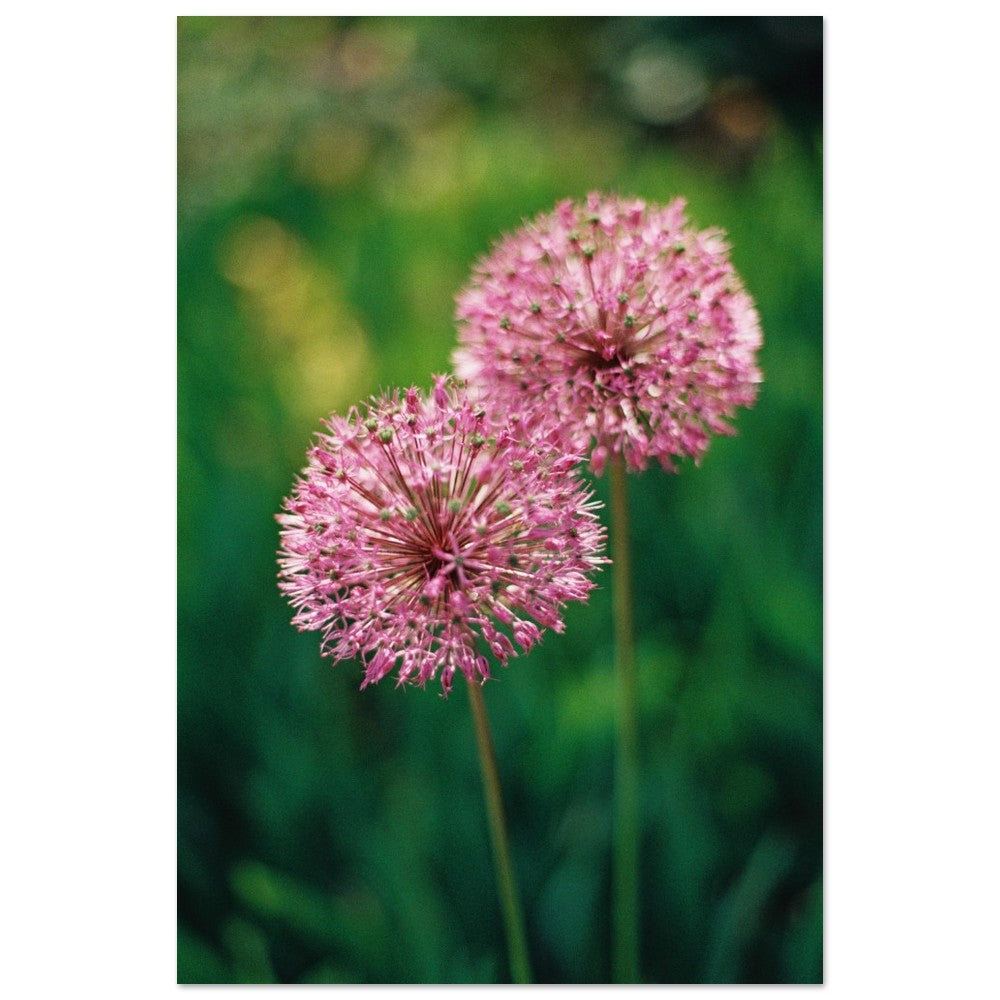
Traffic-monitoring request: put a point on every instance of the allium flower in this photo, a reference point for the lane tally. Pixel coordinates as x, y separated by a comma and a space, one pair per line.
632, 327
425, 531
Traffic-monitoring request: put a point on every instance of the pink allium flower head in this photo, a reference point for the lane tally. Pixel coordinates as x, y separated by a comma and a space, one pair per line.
631, 326
426, 531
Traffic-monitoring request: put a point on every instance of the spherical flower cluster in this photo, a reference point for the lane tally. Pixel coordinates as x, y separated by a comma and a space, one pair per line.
425, 531
631, 325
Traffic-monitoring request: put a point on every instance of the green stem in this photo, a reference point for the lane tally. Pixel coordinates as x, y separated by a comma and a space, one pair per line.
517, 947
626, 868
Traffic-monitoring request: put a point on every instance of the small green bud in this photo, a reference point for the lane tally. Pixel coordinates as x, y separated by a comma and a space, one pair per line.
454, 506
504, 322
385, 435
503, 507
371, 424
410, 513
536, 308
385, 514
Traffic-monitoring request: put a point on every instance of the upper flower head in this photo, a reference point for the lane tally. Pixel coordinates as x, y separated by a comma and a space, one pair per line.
423, 526
632, 327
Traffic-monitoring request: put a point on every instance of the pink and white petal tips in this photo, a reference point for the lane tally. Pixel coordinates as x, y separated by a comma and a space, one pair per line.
630, 327
428, 531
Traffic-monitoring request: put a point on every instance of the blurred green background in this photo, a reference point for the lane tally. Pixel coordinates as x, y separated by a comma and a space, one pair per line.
337, 177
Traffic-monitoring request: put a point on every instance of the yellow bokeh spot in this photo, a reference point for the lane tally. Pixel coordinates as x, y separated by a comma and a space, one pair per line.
305, 329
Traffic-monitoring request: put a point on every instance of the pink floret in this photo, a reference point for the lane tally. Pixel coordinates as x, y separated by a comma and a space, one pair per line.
426, 532
630, 327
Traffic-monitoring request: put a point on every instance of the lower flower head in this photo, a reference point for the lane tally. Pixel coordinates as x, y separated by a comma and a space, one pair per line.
427, 531
632, 326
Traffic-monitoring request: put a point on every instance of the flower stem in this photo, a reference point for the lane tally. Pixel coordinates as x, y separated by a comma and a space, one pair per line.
626, 866
517, 947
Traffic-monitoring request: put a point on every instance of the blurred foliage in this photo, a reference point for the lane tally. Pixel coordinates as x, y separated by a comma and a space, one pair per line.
337, 179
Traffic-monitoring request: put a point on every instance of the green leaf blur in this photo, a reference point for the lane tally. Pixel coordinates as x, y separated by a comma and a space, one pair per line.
337, 179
